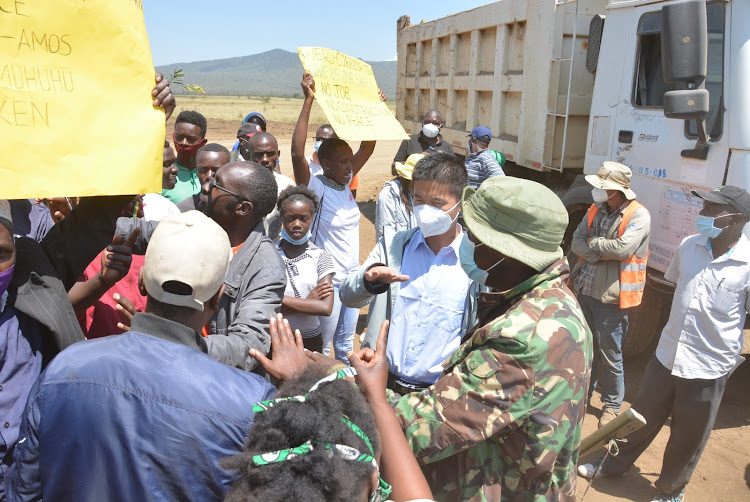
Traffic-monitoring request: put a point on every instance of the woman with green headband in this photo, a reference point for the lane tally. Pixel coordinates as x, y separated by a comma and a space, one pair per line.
319, 440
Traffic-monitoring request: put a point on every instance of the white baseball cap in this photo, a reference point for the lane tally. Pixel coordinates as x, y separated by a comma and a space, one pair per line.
187, 248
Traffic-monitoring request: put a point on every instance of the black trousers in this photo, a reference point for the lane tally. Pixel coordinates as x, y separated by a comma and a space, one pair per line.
693, 405
314, 343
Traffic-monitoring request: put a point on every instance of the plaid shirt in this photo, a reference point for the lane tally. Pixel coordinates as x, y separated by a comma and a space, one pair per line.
584, 280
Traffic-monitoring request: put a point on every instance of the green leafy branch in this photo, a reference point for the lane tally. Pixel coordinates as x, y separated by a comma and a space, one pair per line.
177, 77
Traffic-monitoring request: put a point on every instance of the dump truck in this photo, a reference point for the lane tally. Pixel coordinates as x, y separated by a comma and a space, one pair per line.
657, 85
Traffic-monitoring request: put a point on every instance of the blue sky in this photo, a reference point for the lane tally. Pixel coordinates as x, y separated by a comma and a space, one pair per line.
190, 30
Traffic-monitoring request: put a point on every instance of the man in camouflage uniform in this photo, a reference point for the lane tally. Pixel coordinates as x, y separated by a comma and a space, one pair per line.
503, 421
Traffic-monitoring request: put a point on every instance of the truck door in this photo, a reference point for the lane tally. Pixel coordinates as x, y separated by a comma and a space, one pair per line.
650, 144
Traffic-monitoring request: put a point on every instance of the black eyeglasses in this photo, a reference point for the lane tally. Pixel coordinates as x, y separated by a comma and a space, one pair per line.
212, 184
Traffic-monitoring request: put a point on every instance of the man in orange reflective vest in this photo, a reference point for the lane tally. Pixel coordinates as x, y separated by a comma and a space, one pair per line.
609, 278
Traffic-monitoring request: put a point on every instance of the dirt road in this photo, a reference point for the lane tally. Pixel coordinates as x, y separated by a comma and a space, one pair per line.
723, 474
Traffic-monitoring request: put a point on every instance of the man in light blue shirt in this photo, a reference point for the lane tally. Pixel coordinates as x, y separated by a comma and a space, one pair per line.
414, 278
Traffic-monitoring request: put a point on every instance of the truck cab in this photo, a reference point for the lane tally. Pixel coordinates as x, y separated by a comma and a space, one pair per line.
628, 124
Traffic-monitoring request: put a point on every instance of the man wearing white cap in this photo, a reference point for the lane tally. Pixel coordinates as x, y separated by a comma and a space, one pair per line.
610, 276
147, 414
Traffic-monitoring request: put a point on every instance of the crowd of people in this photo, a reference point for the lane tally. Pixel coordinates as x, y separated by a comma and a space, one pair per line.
199, 343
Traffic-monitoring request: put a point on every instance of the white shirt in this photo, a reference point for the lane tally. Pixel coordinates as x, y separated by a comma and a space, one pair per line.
335, 227
156, 207
427, 312
315, 168
703, 337
272, 221
303, 273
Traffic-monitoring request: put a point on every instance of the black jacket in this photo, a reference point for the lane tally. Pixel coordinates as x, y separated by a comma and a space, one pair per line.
45, 271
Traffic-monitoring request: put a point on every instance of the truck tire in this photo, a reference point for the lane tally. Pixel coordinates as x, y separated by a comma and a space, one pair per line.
646, 323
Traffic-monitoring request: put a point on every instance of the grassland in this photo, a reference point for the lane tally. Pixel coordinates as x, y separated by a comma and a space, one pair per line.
236, 107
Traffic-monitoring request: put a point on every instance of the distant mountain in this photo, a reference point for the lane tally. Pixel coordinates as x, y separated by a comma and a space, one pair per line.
273, 73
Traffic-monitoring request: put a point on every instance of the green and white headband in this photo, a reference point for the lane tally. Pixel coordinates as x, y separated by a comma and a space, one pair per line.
346, 452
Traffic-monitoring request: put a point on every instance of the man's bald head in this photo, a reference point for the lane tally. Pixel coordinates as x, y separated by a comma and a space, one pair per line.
252, 181
265, 150
433, 117
325, 132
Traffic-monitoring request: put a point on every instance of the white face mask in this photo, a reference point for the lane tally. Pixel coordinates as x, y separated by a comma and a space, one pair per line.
600, 195
433, 221
430, 130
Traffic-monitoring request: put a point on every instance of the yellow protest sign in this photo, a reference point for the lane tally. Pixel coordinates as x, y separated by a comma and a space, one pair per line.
75, 100
346, 90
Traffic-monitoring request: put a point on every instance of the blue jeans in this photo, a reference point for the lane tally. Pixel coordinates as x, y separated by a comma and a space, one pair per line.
339, 327
609, 325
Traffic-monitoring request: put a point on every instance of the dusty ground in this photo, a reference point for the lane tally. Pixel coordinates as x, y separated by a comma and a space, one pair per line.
723, 474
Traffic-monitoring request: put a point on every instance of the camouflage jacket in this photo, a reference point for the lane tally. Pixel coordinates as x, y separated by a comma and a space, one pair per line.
503, 422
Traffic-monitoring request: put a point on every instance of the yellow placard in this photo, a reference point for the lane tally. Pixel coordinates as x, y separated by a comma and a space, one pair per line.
76, 113
346, 90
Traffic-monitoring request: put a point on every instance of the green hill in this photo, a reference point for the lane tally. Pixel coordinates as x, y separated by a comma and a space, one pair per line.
273, 73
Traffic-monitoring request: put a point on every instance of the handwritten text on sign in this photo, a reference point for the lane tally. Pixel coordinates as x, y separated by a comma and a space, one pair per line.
75, 108
345, 88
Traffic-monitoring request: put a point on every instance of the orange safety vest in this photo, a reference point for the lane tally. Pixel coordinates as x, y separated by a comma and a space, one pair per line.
632, 269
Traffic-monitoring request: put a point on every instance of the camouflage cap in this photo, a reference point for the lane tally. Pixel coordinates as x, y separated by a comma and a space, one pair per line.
519, 218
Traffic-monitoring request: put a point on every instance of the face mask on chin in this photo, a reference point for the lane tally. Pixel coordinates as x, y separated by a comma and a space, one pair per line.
470, 267
284, 235
433, 221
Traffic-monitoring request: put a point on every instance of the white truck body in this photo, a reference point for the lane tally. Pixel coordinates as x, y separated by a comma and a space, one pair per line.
504, 66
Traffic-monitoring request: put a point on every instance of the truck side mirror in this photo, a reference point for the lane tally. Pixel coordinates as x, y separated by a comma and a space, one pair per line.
684, 43
684, 61
690, 104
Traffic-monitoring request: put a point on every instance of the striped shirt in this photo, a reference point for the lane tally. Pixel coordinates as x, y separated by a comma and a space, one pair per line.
480, 166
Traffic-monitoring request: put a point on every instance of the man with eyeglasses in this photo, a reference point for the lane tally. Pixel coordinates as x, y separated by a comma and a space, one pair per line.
240, 195
426, 141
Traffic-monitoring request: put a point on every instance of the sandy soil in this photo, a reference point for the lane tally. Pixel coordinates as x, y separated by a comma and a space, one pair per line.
723, 474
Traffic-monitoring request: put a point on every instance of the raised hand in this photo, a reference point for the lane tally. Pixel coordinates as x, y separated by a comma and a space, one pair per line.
126, 310
117, 257
163, 95
385, 275
288, 359
308, 85
372, 367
